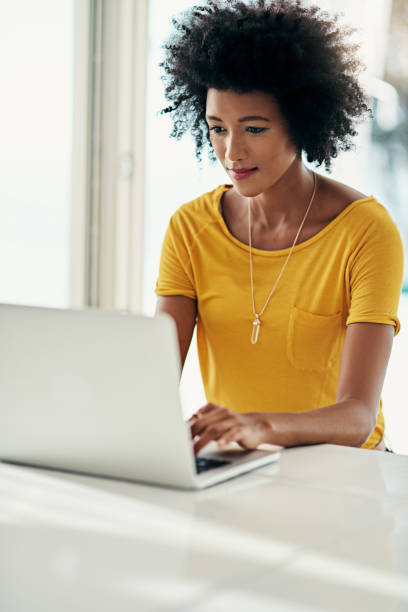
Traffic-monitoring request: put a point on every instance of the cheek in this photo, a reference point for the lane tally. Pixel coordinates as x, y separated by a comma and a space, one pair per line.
288, 144
278, 148
218, 147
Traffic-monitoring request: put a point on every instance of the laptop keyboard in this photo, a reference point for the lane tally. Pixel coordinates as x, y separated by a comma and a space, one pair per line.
203, 464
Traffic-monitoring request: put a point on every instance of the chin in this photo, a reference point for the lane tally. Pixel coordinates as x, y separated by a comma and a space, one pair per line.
247, 191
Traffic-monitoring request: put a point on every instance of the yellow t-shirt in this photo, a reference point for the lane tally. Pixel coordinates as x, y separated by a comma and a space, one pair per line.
350, 271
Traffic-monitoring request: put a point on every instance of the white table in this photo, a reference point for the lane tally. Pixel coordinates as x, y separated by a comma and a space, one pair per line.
325, 529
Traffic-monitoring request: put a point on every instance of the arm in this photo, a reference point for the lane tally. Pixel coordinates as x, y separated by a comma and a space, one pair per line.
184, 312
349, 421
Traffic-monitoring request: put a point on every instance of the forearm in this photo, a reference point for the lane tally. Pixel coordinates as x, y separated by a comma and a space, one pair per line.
348, 423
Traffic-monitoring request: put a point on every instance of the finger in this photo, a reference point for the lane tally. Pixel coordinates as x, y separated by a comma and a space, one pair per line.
212, 433
199, 426
206, 409
193, 419
197, 415
232, 435
247, 441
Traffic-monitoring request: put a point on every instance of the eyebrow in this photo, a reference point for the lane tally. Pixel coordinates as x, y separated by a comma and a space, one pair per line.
249, 118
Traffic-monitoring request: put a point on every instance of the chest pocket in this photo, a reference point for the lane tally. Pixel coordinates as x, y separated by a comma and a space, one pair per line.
313, 340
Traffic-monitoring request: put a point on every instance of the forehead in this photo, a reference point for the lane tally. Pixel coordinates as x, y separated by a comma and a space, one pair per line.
232, 104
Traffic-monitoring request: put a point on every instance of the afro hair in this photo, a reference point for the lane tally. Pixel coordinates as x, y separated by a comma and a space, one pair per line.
299, 54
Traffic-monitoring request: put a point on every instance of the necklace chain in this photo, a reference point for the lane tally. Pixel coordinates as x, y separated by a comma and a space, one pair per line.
256, 323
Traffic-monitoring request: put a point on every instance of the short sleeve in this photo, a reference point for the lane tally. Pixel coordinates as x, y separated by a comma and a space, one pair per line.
175, 272
376, 274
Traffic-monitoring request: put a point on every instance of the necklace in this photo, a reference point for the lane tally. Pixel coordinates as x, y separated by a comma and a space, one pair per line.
256, 323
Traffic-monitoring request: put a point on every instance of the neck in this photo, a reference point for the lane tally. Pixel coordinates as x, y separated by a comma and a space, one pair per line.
285, 202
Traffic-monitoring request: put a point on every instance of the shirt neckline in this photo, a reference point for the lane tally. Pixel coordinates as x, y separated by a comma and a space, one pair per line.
281, 252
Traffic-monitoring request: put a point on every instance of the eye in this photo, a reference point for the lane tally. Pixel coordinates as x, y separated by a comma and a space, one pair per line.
217, 129
256, 130
214, 128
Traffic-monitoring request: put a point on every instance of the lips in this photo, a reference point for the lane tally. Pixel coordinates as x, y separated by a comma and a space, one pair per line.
242, 173
241, 170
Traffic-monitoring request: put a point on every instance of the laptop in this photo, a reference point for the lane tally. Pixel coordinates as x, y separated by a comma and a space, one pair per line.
97, 392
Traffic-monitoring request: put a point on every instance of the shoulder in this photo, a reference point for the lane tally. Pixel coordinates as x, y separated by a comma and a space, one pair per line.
358, 209
203, 204
200, 208
193, 216
334, 197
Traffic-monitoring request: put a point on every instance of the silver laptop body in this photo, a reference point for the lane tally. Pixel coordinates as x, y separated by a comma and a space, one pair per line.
97, 392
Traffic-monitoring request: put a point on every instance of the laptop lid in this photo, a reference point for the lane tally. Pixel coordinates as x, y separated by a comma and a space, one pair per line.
93, 391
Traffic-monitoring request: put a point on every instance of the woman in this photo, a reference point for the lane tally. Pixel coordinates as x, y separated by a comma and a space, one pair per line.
292, 278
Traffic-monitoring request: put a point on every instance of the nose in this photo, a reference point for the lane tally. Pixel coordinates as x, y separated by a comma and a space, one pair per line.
235, 148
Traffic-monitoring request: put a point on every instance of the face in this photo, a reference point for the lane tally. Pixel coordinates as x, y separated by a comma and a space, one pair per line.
248, 132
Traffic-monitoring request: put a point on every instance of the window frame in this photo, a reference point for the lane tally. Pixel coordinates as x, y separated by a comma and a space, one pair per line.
108, 156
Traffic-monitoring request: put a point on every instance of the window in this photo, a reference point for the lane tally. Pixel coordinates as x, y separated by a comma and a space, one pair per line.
36, 64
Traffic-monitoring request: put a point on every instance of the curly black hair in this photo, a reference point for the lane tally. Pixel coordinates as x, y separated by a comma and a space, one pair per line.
298, 54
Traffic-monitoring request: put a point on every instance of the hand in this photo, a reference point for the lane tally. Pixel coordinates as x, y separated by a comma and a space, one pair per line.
214, 422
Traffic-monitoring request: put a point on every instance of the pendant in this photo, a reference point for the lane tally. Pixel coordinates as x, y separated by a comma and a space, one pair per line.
256, 324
